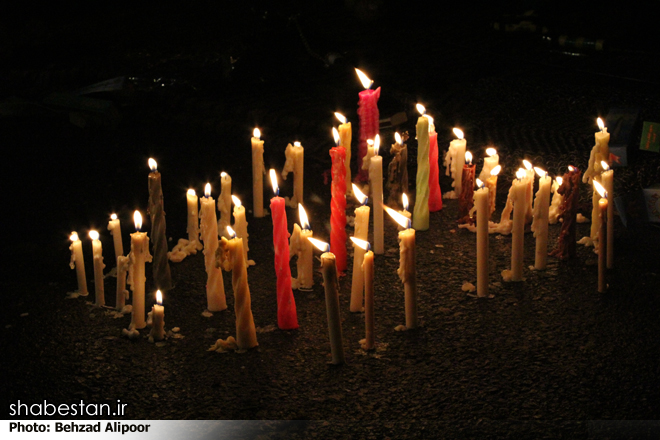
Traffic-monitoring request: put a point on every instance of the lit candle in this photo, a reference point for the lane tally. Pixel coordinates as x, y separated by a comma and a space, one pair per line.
138, 256
397, 171
77, 262
490, 163
192, 203
295, 157
240, 225
407, 270
287, 318
330, 283
454, 163
608, 182
540, 222
466, 197
404, 212
483, 212
230, 256
599, 153
602, 247
435, 194
114, 226
122, 293
215, 287
369, 120
258, 171
367, 269
530, 176
224, 203
557, 199
519, 199
300, 245
362, 233
161, 266
338, 203
97, 253
491, 184
570, 190
345, 138
421, 210
376, 184
157, 332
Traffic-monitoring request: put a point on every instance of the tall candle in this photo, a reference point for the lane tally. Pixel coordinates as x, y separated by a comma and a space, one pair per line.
608, 182
215, 287
97, 253
570, 190
224, 203
258, 171
192, 203
407, 270
490, 163
602, 247
161, 266
362, 233
287, 318
435, 194
483, 212
122, 293
376, 184
300, 245
466, 197
367, 268
540, 222
529, 178
295, 158
157, 332
345, 138
599, 153
557, 200
330, 285
491, 184
240, 226
338, 205
138, 256
114, 226
421, 210
369, 120
454, 163
230, 257
77, 262
519, 200
397, 171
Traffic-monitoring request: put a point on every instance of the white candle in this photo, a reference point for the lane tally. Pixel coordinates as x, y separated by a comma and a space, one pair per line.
599, 153
367, 268
97, 253
491, 184
192, 203
530, 176
362, 233
540, 222
454, 161
122, 293
300, 245
114, 226
77, 262
295, 155
240, 226
376, 184
518, 196
157, 332
258, 171
557, 199
224, 203
407, 270
215, 288
608, 182
490, 162
602, 249
138, 256
346, 135
483, 212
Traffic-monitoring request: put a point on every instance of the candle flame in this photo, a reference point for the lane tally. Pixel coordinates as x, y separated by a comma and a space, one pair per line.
361, 243
335, 134
340, 117
520, 174
296, 144
113, 216
153, 166
376, 144
359, 195
495, 171
480, 184
74, 236
601, 124
207, 190
468, 158
399, 218
528, 164
364, 79
458, 132
397, 138
600, 188
137, 219
273, 181
571, 168
421, 109
302, 215
604, 165
159, 297
231, 232
404, 201
223, 175
320, 245
491, 152
236, 200
256, 133
559, 180
540, 172
191, 192
94, 235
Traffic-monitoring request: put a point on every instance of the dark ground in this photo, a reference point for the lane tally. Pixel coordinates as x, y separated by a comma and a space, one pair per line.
542, 358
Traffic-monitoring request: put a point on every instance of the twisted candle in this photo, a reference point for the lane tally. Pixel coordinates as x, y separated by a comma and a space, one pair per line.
161, 266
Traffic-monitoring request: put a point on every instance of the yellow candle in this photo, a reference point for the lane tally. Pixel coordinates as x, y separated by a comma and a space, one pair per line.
421, 210
530, 176
404, 212
376, 184
114, 226
362, 233
367, 268
122, 293
518, 195
215, 288
258, 171
483, 212
300, 245
192, 203
599, 153
557, 199
407, 270
240, 226
157, 332
491, 184
97, 253
540, 222
77, 262
138, 256
490, 163
608, 182
602, 249
346, 135
224, 203
295, 155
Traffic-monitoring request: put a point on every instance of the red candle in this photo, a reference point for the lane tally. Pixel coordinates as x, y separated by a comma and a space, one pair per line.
338, 205
570, 189
369, 121
435, 195
466, 198
287, 318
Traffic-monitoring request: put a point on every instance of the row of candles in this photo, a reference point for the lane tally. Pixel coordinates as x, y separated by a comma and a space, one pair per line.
231, 254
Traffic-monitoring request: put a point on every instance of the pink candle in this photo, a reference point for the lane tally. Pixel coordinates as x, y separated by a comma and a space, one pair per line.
338, 204
287, 318
369, 121
435, 194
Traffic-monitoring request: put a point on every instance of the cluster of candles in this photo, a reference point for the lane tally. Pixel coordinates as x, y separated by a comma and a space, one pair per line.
226, 247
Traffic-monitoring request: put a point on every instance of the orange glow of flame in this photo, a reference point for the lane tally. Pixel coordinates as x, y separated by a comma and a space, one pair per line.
495, 171
397, 138
605, 166
231, 232
404, 201
341, 118
540, 172
458, 132
600, 188
191, 192
570, 168
520, 174
207, 190
399, 218
468, 158
559, 180
74, 236
601, 124
491, 152
256, 133
361, 243
376, 144
159, 297
421, 109
335, 134
296, 144
137, 219
302, 215
480, 184
236, 200
113, 216
320, 245
359, 195
364, 79
273, 181
153, 166
528, 164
